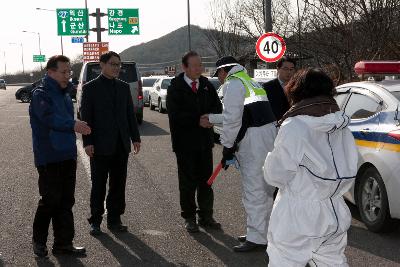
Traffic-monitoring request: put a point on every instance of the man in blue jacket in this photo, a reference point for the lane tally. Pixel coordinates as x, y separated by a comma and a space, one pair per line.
54, 147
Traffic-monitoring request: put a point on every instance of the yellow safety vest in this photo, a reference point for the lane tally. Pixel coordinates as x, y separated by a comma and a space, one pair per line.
254, 91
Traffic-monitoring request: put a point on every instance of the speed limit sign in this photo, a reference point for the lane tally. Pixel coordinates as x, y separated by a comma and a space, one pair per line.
270, 47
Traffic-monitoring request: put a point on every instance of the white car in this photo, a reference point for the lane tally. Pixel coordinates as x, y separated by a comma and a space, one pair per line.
373, 107
148, 83
158, 94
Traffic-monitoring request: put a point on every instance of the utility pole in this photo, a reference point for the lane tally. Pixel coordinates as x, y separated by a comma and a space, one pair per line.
188, 11
268, 15
98, 28
5, 63
87, 27
299, 31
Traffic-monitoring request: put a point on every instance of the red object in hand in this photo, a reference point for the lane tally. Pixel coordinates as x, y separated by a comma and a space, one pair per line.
215, 174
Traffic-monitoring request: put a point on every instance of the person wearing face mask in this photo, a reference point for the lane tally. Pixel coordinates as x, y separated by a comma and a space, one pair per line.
54, 147
190, 98
108, 108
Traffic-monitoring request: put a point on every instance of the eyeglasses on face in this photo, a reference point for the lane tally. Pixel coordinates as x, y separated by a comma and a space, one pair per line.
114, 65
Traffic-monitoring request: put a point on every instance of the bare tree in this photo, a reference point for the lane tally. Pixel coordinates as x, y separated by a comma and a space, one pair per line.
342, 32
236, 25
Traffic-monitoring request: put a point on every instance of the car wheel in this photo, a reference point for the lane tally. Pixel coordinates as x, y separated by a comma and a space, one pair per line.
25, 98
372, 202
160, 107
152, 107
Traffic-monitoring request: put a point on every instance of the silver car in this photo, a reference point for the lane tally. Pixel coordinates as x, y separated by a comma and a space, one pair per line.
158, 94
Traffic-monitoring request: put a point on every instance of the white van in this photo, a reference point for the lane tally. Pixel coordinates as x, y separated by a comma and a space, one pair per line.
129, 73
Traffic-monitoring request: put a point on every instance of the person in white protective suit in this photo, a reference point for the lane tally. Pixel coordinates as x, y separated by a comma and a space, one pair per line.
314, 162
249, 131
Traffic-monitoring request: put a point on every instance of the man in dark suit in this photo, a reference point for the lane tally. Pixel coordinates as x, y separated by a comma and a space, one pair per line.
190, 98
107, 107
275, 88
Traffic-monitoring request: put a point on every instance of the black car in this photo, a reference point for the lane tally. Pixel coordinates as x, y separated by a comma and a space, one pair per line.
25, 93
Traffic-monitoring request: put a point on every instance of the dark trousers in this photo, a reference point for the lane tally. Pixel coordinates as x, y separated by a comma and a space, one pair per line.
57, 189
102, 167
194, 169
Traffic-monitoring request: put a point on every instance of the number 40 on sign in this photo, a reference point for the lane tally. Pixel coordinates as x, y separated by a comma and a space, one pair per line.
270, 47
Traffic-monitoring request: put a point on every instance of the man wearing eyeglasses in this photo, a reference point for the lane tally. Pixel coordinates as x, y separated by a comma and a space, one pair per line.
108, 109
286, 67
54, 147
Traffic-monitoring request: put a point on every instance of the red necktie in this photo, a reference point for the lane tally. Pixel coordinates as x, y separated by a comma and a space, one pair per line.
194, 88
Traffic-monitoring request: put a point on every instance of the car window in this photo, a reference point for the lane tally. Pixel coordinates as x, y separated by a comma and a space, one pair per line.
149, 82
215, 83
362, 106
127, 74
396, 94
340, 98
93, 71
165, 83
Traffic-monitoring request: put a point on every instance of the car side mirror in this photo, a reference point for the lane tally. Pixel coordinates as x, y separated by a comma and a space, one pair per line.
158, 88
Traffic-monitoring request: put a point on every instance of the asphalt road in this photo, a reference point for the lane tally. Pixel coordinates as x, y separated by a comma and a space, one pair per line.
156, 234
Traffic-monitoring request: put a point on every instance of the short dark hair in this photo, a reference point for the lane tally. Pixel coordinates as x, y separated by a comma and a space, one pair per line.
309, 82
52, 63
187, 55
285, 59
107, 56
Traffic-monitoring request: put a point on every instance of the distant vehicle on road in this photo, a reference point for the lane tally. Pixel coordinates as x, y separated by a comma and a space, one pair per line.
148, 83
3, 84
158, 94
24, 94
129, 73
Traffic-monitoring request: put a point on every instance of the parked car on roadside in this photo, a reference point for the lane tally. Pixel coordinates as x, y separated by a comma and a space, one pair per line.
373, 107
148, 83
24, 94
158, 94
3, 84
129, 73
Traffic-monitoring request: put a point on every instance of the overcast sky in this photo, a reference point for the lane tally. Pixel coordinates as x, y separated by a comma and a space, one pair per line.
157, 18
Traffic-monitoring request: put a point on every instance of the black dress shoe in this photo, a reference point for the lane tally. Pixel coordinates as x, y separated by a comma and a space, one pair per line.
117, 227
40, 250
95, 230
248, 246
69, 250
209, 223
191, 226
241, 238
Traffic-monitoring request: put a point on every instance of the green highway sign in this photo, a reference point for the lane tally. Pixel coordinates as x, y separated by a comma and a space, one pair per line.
72, 21
123, 21
39, 58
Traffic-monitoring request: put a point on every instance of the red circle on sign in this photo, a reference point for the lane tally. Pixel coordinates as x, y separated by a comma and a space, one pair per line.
258, 47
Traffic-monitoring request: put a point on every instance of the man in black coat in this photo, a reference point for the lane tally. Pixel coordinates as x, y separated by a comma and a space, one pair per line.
107, 107
275, 88
190, 98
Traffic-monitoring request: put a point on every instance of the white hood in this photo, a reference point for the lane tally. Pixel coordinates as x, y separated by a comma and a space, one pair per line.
328, 123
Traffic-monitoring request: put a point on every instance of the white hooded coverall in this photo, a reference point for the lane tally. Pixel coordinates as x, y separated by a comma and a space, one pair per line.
252, 149
314, 163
